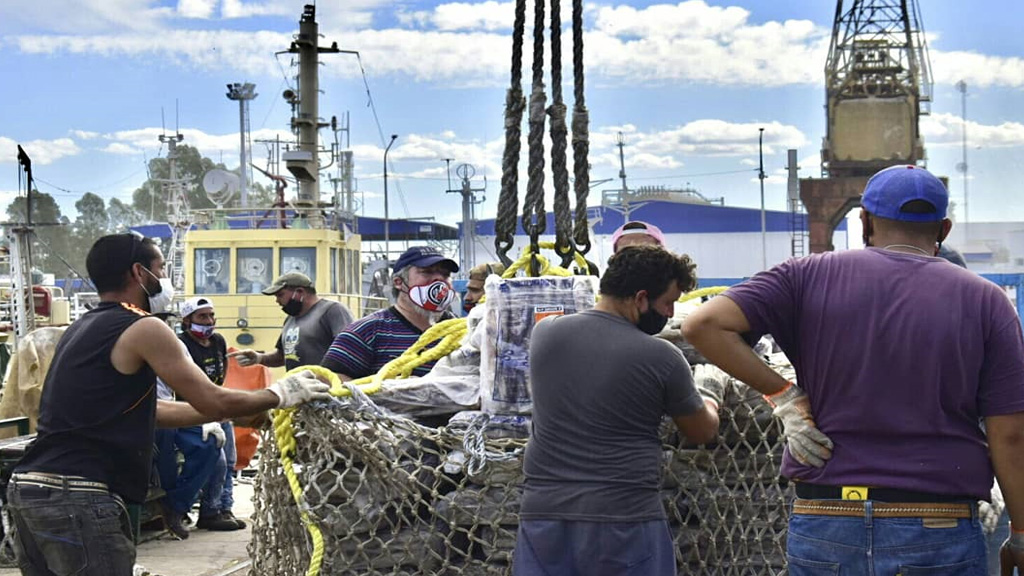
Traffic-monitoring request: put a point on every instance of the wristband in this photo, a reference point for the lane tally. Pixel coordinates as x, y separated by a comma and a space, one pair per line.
777, 398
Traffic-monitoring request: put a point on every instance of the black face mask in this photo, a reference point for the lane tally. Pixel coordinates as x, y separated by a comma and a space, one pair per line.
292, 307
652, 322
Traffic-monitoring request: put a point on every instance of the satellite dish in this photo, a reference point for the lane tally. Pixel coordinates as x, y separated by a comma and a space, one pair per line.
221, 186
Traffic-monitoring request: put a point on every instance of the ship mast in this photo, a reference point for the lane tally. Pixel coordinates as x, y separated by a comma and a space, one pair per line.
304, 163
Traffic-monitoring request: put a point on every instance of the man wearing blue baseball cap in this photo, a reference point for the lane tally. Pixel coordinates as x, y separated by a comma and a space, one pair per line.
423, 294
898, 356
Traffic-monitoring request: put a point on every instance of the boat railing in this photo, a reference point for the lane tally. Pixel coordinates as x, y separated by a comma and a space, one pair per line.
293, 216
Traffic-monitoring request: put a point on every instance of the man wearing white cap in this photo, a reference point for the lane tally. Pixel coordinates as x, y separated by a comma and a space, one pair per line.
209, 351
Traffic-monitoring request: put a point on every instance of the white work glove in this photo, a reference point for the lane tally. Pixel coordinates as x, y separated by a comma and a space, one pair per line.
807, 444
989, 513
215, 429
299, 388
246, 357
710, 381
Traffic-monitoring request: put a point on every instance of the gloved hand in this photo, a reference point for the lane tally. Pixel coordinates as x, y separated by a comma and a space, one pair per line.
246, 357
989, 512
299, 388
1011, 554
215, 429
806, 443
710, 381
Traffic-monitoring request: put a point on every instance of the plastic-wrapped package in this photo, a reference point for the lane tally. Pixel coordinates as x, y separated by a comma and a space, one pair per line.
514, 306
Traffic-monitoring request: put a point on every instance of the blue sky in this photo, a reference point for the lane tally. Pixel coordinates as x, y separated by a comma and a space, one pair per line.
688, 83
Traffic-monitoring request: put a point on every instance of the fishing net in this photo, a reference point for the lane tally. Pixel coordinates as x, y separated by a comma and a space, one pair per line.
390, 496
353, 487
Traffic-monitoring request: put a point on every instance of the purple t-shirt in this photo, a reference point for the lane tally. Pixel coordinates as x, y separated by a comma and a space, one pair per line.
901, 355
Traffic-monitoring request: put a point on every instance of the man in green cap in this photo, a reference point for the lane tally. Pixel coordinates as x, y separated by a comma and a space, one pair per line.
309, 330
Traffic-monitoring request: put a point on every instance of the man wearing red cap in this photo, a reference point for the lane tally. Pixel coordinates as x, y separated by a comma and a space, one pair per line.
900, 355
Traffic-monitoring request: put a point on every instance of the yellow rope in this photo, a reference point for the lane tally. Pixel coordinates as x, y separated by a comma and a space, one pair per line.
284, 433
450, 334
709, 291
545, 268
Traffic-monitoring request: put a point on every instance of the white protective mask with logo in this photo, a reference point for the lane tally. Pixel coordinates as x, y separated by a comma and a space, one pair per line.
436, 296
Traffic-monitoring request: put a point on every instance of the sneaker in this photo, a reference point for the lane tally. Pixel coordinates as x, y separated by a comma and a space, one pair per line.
230, 516
217, 523
172, 521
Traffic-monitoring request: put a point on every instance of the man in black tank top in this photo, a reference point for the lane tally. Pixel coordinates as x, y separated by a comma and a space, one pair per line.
98, 413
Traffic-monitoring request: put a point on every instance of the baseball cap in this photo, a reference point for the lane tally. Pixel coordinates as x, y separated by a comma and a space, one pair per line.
889, 190
289, 280
423, 257
638, 227
192, 305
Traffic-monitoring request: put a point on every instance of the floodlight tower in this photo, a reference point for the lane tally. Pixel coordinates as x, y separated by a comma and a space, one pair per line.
243, 93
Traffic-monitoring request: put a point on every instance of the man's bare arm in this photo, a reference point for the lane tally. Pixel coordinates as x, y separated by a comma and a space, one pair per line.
150, 341
714, 329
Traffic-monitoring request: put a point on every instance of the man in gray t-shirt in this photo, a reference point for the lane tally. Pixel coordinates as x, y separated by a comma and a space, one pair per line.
601, 386
309, 330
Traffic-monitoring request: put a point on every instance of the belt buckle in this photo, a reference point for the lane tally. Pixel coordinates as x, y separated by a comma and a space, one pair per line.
854, 492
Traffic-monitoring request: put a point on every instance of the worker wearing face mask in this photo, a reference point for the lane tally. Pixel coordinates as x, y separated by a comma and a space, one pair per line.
307, 333
423, 294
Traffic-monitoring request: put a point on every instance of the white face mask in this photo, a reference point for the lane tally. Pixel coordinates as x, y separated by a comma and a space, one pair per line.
434, 297
161, 301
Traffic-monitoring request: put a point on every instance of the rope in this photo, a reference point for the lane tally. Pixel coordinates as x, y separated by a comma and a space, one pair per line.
450, 334
709, 291
563, 215
580, 133
284, 433
534, 217
544, 267
515, 102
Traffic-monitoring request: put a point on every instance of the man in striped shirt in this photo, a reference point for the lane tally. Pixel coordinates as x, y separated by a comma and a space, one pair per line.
423, 295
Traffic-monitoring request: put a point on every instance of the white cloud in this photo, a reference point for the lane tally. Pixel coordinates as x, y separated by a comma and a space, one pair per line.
80, 16
945, 130
977, 70
41, 152
239, 9
121, 149
84, 135
488, 15
202, 9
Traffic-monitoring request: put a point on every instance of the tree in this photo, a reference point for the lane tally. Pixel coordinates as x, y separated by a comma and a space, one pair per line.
53, 234
122, 215
150, 199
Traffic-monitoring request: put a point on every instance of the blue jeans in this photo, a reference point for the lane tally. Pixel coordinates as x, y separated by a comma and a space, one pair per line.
200, 460
818, 545
576, 548
218, 494
58, 532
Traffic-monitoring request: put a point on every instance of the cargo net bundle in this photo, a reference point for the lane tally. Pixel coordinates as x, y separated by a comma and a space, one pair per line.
412, 479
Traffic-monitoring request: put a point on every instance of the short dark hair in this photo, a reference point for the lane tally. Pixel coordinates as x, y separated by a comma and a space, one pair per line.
111, 257
647, 267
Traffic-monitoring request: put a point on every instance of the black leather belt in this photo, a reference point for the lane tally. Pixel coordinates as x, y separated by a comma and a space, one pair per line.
822, 492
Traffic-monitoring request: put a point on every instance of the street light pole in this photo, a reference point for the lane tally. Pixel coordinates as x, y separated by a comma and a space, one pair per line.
387, 218
760, 175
